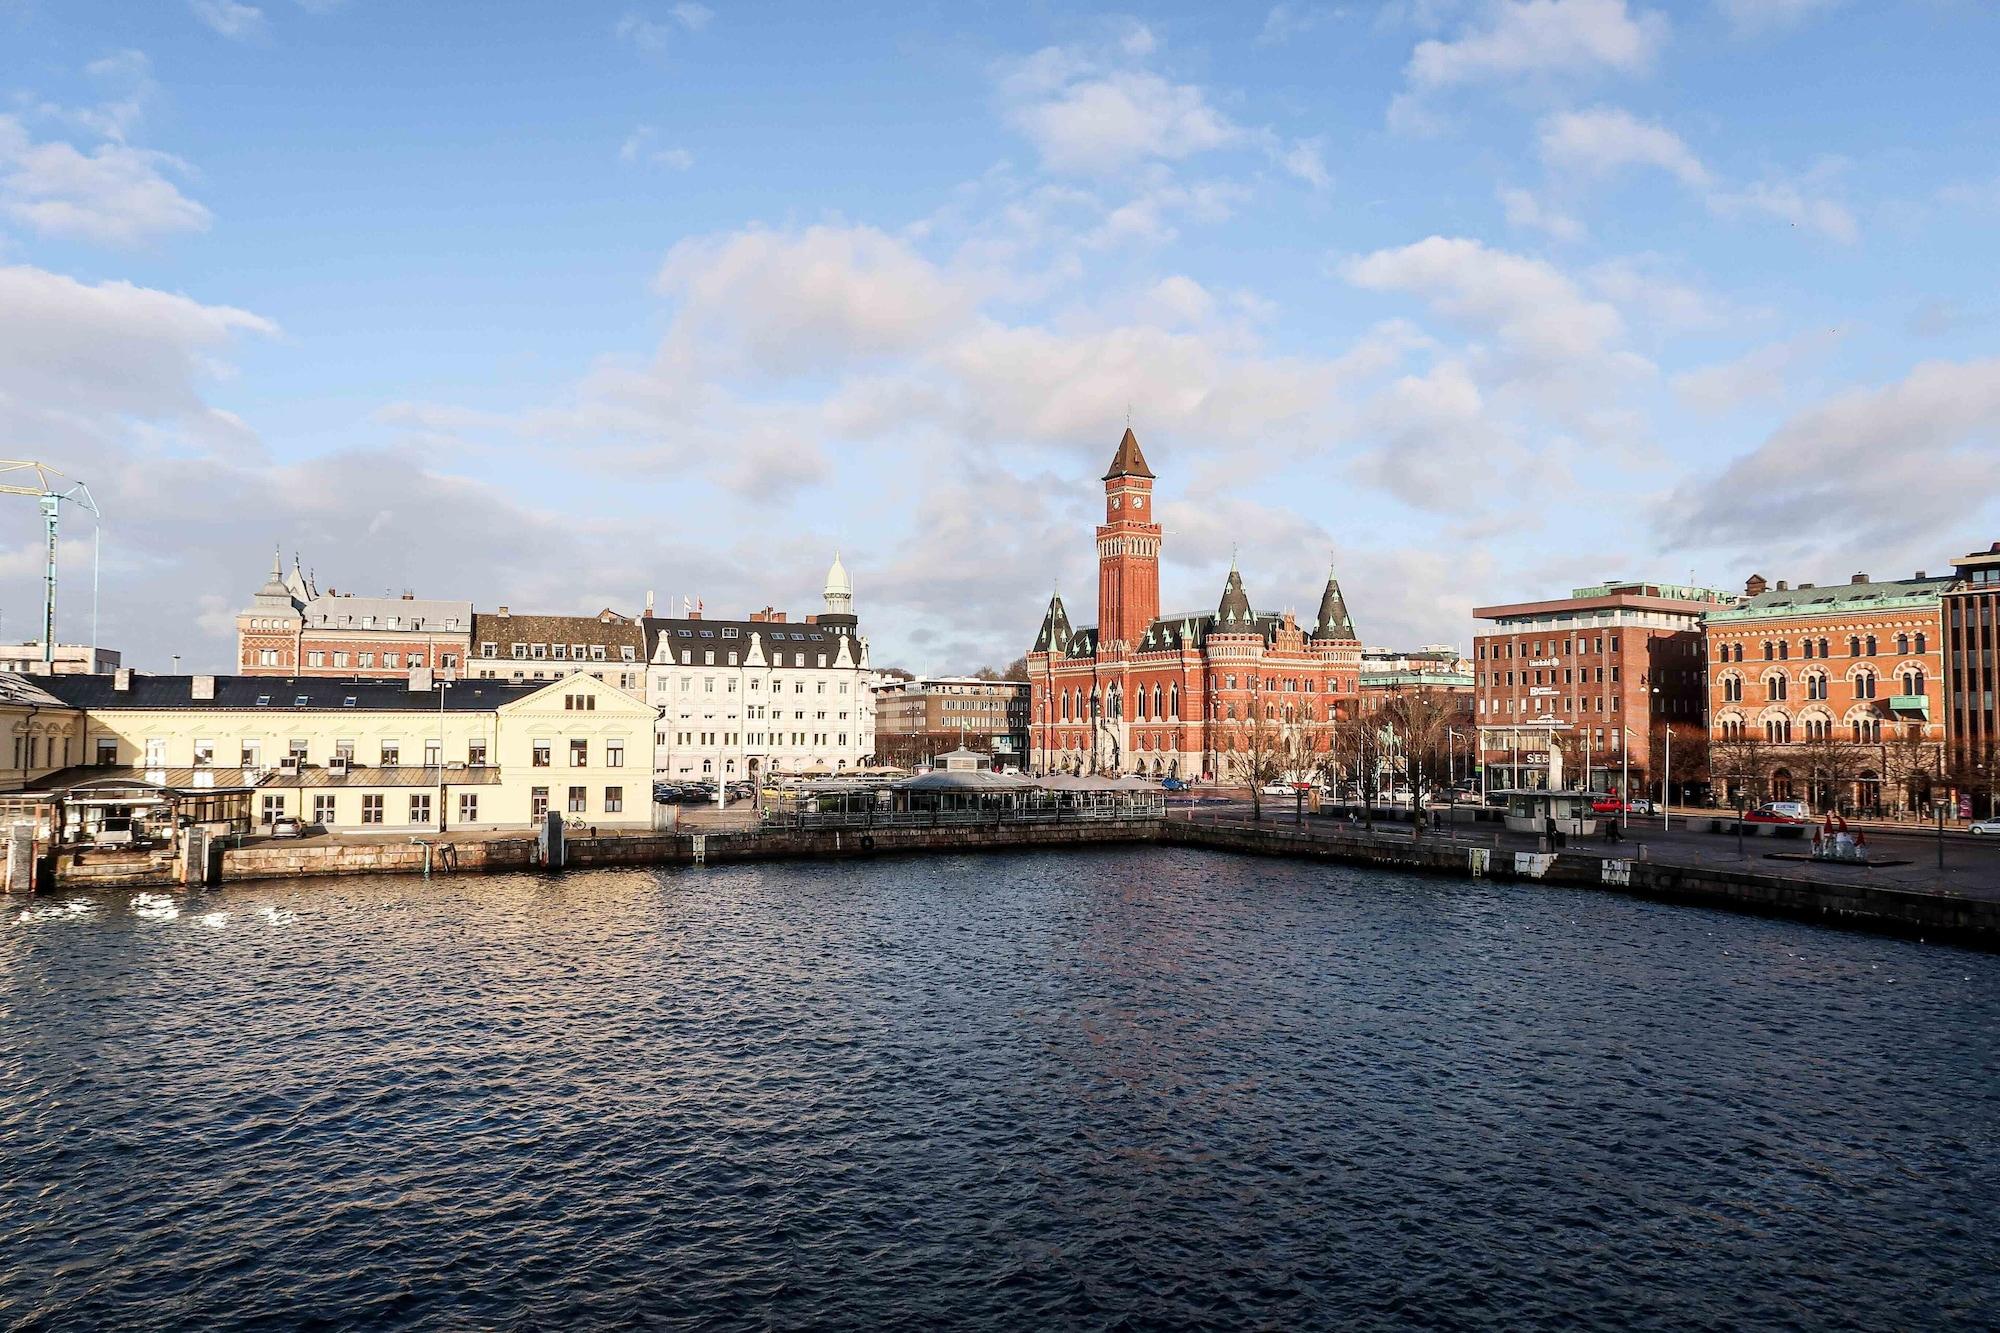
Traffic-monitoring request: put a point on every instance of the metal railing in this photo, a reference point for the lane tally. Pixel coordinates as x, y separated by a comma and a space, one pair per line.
865, 819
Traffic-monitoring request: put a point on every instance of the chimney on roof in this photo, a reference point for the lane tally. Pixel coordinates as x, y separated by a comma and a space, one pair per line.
1783, 586
814, 620
503, 610
1859, 578
420, 679
649, 603
777, 617
1754, 586
1804, 586
201, 687
121, 679
409, 596
332, 592
759, 617
1920, 573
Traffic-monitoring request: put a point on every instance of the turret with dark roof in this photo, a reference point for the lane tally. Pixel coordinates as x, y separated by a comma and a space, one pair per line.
1128, 461
1055, 632
1233, 615
1334, 622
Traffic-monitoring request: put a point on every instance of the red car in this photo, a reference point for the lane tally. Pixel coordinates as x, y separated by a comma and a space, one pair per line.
1773, 814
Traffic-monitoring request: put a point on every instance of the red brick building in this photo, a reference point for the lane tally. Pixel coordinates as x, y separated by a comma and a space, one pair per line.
1171, 695
1832, 694
1609, 669
292, 629
1971, 666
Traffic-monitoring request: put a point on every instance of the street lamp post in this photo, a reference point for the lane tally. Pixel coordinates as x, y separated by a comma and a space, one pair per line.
442, 686
1666, 767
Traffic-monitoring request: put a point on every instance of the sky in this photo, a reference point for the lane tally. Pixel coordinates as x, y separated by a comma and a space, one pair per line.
558, 304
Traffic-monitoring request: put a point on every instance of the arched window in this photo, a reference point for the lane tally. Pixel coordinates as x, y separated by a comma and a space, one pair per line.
1913, 680
1174, 699
1774, 688
1784, 650
1867, 729
1778, 730
1902, 644
1853, 645
1808, 649
1920, 642
1816, 685
1871, 645
1732, 689
1156, 703
1770, 651
1864, 685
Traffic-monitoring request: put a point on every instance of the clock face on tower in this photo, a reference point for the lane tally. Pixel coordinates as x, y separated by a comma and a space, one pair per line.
1114, 502
1138, 502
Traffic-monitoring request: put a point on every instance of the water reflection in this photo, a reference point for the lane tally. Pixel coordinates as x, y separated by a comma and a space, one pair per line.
1119, 1087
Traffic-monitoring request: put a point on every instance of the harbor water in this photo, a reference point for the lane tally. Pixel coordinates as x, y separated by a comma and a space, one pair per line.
1121, 1088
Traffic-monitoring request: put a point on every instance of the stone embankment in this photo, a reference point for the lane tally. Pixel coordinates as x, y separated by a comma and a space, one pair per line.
1873, 906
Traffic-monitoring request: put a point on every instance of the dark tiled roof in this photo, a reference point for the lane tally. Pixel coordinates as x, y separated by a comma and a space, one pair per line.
1334, 622
1055, 632
282, 693
612, 635
787, 635
1233, 614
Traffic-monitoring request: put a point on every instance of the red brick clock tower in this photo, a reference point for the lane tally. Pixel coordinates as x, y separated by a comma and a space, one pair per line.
1128, 549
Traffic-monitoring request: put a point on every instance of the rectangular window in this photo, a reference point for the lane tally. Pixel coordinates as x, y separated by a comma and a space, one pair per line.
420, 807
614, 800
392, 753
614, 754
274, 806
323, 807
475, 754
340, 659
468, 807
371, 808
392, 660
579, 800
107, 751
541, 759
433, 753
204, 753
579, 754
250, 753
538, 802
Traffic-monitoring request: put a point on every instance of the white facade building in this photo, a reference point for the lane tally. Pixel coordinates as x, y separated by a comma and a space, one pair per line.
762, 695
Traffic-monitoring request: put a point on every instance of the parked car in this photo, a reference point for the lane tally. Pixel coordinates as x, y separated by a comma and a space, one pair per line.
1175, 784
1980, 828
1778, 812
287, 828
1640, 805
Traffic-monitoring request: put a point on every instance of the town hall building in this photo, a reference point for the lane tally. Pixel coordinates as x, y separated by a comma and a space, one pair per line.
1175, 695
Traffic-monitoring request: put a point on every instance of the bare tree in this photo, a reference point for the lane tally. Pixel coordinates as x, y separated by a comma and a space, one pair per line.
1831, 766
1915, 762
1419, 720
1260, 745
1743, 761
1016, 669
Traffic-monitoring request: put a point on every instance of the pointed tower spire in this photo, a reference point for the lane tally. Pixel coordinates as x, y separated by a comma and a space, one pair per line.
1128, 461
1334, 622
1054, 634
1233, 615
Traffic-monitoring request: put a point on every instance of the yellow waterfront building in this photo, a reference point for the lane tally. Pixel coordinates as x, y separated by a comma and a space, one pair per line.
352, 756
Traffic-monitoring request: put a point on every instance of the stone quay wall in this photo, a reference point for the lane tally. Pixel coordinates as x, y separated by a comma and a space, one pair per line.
1875, 907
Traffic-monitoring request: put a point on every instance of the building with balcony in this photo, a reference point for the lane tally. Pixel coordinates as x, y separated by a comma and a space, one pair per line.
1971, 675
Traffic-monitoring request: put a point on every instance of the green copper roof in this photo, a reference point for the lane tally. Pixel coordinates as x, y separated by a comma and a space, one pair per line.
1835, 599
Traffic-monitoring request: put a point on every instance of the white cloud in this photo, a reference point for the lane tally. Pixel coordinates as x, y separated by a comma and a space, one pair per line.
1754, 16
1757, 377
1287, 21
1601, 140
238, 22
638, 148
1660, 299
1306, 160
1525, 210
653, 36
114, 194
1535, 312
1438, 449
1789, 202
1085, 124
823, 296
1522, 38
1819, 476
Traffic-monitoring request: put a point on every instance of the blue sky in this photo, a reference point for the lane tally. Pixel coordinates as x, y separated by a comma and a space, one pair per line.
553, 304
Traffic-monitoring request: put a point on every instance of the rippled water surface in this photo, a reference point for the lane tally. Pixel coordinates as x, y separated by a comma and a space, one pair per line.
1127, 1089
